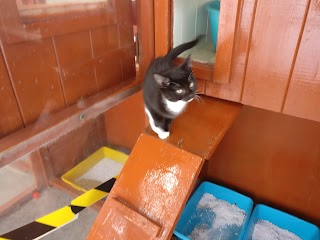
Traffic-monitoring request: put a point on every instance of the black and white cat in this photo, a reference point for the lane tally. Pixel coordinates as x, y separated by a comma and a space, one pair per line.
168, 88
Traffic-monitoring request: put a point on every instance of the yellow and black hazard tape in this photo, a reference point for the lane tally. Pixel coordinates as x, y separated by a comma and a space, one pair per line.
48, 223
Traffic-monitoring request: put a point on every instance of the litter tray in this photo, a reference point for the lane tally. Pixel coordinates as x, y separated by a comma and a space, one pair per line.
99, 167
191, 218
301, 228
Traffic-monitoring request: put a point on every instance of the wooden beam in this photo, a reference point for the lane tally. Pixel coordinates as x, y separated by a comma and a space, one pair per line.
45, 130
39, 170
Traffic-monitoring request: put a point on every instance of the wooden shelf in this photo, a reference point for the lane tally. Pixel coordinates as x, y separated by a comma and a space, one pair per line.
202, 126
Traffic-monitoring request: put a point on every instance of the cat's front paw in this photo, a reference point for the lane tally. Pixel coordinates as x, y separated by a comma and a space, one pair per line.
164, 135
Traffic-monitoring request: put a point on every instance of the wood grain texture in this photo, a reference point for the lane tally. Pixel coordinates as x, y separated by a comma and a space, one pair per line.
202, 126
73, 147
74, 54
156, 177
162, 16
276, 31
125, 21
227, 32
273, 158
126, 121
35, 136
232, 91
304, 91
146, 36
104, 39
17, 29
10, 119
35, 78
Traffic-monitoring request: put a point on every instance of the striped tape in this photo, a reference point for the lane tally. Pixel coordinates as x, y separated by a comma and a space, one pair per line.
57, 219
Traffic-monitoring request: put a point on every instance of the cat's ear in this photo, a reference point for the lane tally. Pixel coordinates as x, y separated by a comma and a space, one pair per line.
161, 80
187, 63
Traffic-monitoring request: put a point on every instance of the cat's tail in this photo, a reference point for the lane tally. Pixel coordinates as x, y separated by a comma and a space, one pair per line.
181, 48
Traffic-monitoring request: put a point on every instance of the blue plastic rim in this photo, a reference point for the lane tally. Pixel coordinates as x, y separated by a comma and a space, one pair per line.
301, 228
214, 13
245, 203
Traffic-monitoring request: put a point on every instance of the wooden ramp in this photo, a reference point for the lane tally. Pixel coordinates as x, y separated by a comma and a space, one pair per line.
156, 182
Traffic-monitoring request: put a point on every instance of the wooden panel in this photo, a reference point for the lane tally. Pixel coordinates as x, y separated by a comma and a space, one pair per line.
277, 27
125, 21
304, 91
155, 184
272, 157
74, 55
10, 119
75, 146
34, 72
104, 39
202, 126
128, 62
119, 132
145, 34
16, 28
108, 71
33, 137
225, 43
162, 13
232, 91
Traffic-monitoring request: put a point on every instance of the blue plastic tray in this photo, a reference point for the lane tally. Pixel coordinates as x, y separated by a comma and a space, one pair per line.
301, 228
213, 9
185, 226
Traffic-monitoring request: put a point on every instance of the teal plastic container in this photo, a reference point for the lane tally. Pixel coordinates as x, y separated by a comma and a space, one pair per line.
191, 217
301, 228
213, 9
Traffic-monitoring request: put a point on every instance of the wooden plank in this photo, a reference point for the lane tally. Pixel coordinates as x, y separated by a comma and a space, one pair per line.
39, 170
124, 21
227, 32
104, 39
17, 29
76, 145
304, 90
276, 31
119, 132
61, 185
33, 70
233, 90
156, 177
163, 28
10, 119
33, 137
78, 78
146, 38
202, 126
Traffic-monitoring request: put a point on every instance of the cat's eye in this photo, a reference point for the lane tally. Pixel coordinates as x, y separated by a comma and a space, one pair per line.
191, 85
179, 91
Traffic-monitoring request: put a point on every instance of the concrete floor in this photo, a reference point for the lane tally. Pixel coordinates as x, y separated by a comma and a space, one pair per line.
50, 200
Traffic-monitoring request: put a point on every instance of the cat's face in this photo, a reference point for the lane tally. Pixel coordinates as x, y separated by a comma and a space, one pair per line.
178, 84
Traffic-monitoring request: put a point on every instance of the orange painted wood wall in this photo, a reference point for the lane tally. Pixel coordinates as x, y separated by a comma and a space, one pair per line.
274, 158
50, 62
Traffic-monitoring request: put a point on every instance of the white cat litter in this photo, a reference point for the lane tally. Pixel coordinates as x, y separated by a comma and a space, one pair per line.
227, 222
265, 230
104, 170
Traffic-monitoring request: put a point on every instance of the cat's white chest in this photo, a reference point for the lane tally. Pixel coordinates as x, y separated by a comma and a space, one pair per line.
175, 107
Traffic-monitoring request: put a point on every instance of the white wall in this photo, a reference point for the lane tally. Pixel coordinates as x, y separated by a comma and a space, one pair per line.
190, 19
